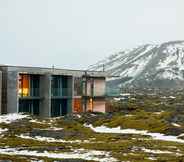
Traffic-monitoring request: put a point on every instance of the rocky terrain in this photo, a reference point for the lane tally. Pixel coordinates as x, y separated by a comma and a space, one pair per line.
143, 127
155, 66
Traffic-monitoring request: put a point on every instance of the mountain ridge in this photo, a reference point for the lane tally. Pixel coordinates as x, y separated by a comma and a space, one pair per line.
149, 65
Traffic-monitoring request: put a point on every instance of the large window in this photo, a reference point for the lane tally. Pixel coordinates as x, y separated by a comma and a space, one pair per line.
61, 86
56, 85
24, 85
59, 107
87, 86
90, 105
77, 105
29, 106
28, 85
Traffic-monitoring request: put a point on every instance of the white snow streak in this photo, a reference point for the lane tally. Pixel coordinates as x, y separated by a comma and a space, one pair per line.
100, 156
160, 152
9, 118
3, 130
176, 125
155, 136
49, 139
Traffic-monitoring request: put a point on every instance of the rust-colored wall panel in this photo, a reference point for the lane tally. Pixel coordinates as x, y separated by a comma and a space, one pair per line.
77, 105
90, 105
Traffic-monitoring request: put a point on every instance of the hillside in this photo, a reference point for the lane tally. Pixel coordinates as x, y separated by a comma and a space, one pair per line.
160, 66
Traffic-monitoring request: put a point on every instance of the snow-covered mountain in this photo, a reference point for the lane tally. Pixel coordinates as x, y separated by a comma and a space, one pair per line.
146, 66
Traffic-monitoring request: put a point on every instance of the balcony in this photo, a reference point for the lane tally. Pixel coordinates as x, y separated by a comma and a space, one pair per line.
94, 92
61, 92
28, 86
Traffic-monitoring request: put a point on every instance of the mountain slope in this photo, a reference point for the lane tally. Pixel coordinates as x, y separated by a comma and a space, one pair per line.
149, 65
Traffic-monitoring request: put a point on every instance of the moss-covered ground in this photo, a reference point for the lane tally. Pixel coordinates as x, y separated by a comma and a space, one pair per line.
142, 112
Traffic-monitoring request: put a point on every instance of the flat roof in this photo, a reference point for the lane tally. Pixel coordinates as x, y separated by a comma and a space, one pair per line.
39, 67
56, 71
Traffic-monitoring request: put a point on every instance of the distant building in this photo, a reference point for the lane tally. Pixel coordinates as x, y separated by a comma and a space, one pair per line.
51, 92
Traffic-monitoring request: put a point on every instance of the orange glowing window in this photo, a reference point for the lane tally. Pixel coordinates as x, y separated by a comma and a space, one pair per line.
24, 85
77, 105
90, 104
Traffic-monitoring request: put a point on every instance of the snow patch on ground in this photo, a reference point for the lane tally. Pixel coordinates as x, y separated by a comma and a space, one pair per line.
158, 112
37, 160
156, 151
9, 118
39, 122
181, 135
104, 129
49, 139
100, 156
155, 136
2, 131
176, 125
160, 152
152, 158
129, 115
50, 123
151, 151
52, 129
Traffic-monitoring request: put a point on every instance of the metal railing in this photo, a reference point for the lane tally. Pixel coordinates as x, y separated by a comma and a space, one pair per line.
108, 92
59, 92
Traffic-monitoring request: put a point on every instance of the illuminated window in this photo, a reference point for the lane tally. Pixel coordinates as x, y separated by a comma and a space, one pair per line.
24, 85
90, 104
77, 105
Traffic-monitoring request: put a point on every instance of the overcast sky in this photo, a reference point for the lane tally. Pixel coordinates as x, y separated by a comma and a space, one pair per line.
77, 33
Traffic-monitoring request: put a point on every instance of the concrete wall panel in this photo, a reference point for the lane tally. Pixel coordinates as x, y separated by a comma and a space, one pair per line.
0, 91
99, 87
89, 90
99, 106
45, 92
12, 93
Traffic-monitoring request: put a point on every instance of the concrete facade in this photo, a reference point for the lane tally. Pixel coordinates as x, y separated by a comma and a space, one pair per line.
54, 93
0, 91
46, 95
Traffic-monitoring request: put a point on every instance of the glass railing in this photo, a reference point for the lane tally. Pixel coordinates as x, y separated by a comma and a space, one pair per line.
35, 92
112, 92
109, 92
32, 92
95, 93
59, 92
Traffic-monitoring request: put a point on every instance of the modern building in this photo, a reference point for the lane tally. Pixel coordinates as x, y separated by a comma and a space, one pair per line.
51, 92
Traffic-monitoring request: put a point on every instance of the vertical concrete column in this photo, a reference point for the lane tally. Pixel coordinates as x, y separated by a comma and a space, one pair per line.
73, 95
70, 98
12, 92
45, 94
0, 91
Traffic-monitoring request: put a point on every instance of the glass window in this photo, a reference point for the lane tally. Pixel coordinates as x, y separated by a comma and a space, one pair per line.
24, 85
